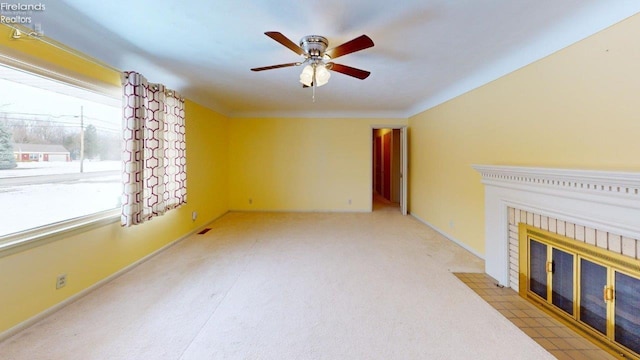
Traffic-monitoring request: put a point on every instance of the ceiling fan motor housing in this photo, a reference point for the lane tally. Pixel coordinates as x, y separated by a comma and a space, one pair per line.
314, 45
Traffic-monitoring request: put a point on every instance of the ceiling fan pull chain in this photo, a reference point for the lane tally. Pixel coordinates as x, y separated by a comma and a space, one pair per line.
313, 94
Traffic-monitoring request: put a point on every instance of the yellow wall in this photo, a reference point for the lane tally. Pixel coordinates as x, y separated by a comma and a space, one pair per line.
302, 164
28, 277
577, 108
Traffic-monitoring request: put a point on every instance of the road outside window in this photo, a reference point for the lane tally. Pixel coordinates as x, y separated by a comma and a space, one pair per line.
59, 152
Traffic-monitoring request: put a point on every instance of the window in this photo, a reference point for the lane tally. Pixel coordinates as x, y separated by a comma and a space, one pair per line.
60, 150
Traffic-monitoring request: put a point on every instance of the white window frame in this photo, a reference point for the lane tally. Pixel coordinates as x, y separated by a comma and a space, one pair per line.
20, 241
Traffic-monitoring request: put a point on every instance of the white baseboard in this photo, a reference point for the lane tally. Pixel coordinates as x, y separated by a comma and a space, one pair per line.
303, 211
34, 319
458, 242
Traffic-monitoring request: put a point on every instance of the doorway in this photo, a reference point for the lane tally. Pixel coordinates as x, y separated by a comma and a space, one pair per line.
389, 169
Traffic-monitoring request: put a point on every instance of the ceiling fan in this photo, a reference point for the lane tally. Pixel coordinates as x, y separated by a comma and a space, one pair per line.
317, 58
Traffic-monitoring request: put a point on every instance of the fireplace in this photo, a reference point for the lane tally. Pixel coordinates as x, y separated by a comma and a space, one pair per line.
595, 290
597, 212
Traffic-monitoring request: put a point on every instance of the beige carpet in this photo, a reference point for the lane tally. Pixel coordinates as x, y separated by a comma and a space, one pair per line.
288, 286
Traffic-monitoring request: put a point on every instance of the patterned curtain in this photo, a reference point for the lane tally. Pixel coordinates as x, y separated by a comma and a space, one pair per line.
154, 156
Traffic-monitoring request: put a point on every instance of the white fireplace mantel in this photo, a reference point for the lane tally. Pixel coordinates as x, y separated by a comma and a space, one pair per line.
606, 200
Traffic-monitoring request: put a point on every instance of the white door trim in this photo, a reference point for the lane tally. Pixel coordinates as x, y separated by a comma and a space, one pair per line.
404, 165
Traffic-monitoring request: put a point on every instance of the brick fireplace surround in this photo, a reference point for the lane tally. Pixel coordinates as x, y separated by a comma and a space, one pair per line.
601, 208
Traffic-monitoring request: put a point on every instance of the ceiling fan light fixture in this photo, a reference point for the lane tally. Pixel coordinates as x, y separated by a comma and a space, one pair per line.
322, 75
306, 77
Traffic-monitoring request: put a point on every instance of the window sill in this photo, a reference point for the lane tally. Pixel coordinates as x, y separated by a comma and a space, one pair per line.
21, 241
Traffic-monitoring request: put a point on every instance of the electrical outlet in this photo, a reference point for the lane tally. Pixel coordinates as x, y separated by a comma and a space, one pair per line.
194, 215
250, 201
349, 201
61, 281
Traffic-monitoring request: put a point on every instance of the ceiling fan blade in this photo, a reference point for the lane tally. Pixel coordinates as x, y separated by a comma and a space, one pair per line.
275, 66
360, 43
285, 41
348, 70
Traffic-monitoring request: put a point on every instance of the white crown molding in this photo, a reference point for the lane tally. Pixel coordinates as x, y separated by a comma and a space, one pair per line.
320, 114
606, 200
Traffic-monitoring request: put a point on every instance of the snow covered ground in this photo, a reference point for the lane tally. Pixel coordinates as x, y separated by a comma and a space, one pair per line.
58, 167
23, 207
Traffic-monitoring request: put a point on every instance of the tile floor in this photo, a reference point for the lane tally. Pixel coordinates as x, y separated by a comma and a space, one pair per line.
558, 339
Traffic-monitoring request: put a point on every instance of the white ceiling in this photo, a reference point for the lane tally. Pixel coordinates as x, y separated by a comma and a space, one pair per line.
425, 53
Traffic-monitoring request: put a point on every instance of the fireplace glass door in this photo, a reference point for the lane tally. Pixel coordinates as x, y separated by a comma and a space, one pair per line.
562, 272
627, 311
538, 268
593, 308
551, 275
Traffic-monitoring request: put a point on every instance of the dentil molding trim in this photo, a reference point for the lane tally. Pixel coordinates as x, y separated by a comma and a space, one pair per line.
606, 200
